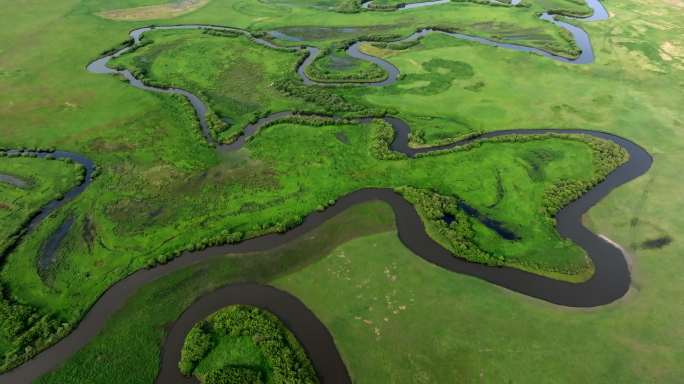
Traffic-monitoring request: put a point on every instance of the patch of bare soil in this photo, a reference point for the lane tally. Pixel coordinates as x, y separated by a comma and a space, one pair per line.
154, 12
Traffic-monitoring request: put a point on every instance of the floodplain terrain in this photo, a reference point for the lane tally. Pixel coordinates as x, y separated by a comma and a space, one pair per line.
296, 123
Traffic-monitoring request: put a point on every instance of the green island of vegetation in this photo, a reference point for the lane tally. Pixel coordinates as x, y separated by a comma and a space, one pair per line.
163, 189
244, 344
335, 66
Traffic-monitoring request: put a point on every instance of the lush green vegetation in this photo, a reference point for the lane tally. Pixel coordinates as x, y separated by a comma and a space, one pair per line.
249, 193
163, 189
556, 195
243, 344
26, 185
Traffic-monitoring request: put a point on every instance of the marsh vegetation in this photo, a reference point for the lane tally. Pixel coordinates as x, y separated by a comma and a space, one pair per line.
164, 190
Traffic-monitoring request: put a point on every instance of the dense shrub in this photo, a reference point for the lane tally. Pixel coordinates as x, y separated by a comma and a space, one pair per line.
607, 157
348, 6
27, 330
381, 139
331, 102
399, 45
375, 37
374, 6
304, 118
456, 236
197, 344
216, 125
234, 375
222, 33
119, 47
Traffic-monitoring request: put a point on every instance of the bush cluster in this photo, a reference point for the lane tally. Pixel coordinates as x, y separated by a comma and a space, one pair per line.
197, 344
382, 136
27, 330
304, 118
331, 103
456, 236
234, 374
607, 157
397, 46
222, 238
215, 124
385, 7
221, 33
348, 6
118, 47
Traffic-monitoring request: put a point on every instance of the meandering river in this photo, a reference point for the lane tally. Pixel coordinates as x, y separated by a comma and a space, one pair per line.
610, 281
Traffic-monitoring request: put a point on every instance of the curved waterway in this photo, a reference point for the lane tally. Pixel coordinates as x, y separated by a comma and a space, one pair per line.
580, 37
610, 281
369, 5
309, 331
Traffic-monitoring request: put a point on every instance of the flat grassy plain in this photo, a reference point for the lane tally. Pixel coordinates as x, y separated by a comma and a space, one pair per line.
147, 145
483, 95
458, 328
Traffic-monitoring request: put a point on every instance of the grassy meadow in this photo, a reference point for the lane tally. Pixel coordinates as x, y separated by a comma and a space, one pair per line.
163, 189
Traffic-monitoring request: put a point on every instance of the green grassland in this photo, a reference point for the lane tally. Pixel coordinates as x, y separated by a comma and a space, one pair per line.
458, 328
158, 172
240, 344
